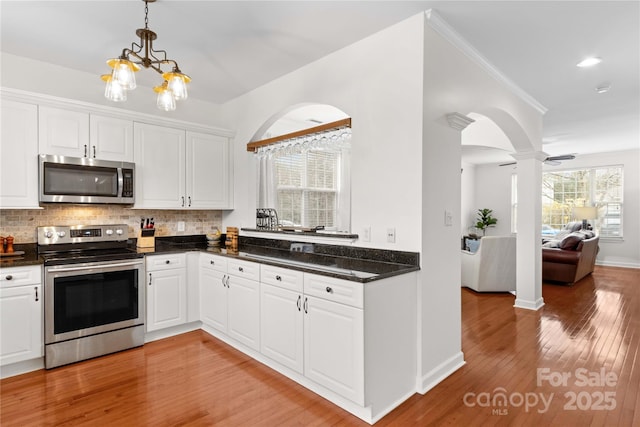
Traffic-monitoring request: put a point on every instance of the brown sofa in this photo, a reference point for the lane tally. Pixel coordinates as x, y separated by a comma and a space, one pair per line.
570, 257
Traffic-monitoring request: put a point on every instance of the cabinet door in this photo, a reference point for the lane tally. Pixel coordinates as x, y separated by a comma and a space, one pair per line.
281, 326
166, 298
244, 311
208, 171
63, 132
334, 347
19, 155
111, 138
159, 156
21, 329
213, 298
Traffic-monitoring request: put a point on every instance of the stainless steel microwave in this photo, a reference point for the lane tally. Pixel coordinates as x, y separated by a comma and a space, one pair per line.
64, 179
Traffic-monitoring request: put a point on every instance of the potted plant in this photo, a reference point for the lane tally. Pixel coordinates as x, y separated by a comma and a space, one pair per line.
485, 220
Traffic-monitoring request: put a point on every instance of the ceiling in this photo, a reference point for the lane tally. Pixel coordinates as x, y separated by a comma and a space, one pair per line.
232, 47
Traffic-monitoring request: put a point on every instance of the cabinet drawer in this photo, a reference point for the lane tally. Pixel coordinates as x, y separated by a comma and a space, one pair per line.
18, 276
281, 277
332, 289
213, 262
246, 269
166, 262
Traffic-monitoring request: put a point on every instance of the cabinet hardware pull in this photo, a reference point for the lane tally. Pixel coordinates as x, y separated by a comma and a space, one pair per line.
85, 150
149, 279
36, 289
240, 269
329, 289
228, 279
298, 302
94, 151
183, 201
167, 262
306, 305
9, 277
212, 262
278, 278
189, 200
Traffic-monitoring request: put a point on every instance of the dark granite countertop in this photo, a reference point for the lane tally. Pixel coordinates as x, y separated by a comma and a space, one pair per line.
343, 262
30, 256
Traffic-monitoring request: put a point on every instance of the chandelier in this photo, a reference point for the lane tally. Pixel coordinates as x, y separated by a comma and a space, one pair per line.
122, 79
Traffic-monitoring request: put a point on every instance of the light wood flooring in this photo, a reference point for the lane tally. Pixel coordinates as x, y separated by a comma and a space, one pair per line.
588, 333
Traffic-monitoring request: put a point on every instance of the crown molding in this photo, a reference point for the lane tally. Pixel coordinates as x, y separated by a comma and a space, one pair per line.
435, 21
75, 105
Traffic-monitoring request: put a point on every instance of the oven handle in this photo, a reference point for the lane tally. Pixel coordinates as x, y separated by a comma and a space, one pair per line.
92, 267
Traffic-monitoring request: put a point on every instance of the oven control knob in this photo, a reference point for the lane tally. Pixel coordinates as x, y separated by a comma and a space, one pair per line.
61, 233
108, 232
119, 232
48, 234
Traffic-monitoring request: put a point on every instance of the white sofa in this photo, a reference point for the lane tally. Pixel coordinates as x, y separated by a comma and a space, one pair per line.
492, 268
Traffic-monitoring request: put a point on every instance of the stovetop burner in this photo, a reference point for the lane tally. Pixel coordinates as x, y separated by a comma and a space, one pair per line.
84, 256
84, 243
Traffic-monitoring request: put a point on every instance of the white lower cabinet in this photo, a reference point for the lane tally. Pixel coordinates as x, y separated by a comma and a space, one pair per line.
333, 347
314, 335
353, 343
230, 298
281, 326
21, 330
166, 291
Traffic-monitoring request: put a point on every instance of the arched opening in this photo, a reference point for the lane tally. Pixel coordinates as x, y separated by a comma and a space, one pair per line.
303, 168
483, 185
298, 117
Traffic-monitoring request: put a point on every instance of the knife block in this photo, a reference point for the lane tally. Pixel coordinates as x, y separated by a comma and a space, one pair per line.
146, 238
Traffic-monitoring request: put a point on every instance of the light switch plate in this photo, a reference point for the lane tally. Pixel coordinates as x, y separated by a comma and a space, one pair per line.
180, 225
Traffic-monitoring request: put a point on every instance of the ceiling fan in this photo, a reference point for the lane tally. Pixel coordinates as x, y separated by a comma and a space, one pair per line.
551, 160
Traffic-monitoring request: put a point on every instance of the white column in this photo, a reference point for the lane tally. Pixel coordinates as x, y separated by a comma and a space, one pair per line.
529, 231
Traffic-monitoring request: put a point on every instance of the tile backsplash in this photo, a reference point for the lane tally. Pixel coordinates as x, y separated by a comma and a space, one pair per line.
22, 223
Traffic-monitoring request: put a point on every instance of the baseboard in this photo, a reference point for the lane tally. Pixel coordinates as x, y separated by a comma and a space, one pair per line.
171, 331
23, 367
529, 305
620, 264
440, 372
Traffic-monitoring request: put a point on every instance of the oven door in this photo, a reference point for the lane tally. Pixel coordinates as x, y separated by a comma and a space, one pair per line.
92, 298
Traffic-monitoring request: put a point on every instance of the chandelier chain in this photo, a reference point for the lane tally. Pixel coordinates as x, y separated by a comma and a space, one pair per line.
146, 15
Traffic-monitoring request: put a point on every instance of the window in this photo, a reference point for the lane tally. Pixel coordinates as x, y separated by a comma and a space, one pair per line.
601, 187
307, 180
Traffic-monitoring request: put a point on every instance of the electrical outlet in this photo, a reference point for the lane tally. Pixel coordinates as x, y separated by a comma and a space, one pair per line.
366, 234
391, 235
180, 225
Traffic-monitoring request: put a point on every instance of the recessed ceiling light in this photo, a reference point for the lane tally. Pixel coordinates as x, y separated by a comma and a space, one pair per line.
589, 62
603, 88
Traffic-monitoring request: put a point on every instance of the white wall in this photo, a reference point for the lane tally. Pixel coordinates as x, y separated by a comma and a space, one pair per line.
493, 191
467, 197
453, 82
49, 79
378, 83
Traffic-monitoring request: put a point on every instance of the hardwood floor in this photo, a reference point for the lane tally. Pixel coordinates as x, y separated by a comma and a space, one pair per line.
590, 330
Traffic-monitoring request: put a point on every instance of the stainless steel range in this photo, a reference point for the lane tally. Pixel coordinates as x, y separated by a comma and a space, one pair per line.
93, 292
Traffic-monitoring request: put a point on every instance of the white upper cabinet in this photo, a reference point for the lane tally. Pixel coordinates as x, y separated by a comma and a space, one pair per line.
63, 132
159, 157
207, 171
110, 138
181, 170
79, 134
19, 155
